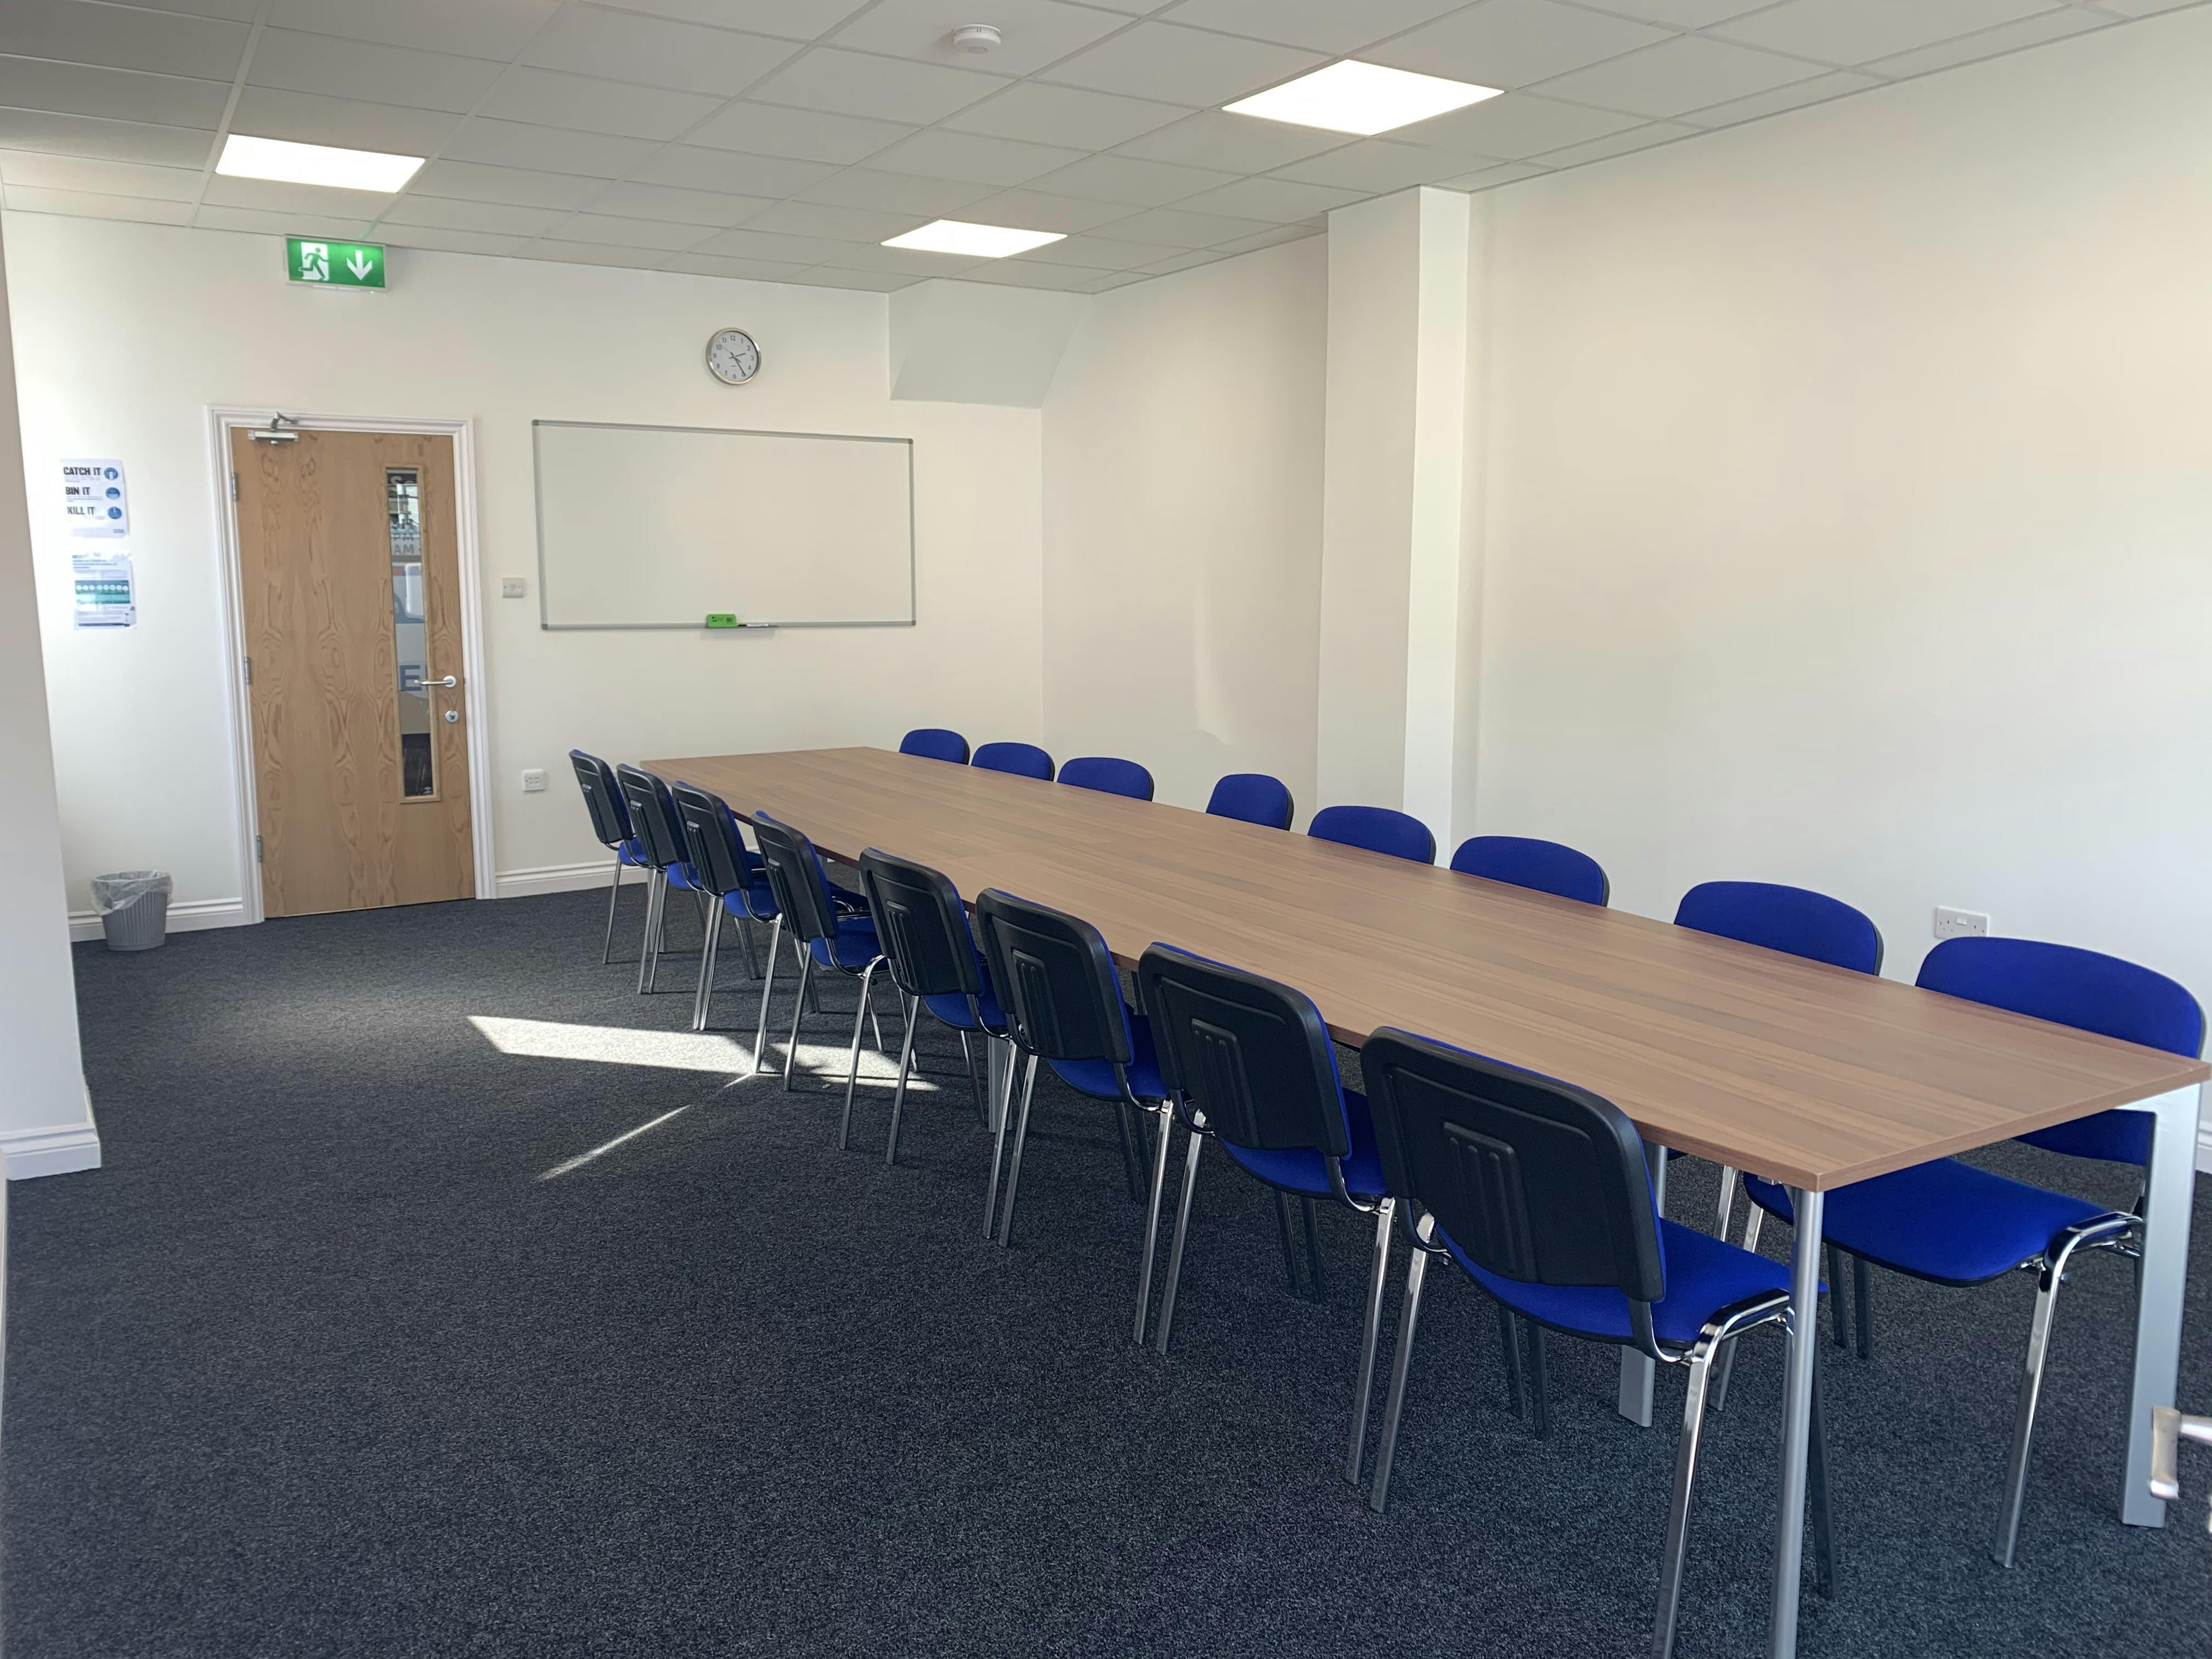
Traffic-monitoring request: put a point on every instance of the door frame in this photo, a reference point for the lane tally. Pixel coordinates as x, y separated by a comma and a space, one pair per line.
224, 419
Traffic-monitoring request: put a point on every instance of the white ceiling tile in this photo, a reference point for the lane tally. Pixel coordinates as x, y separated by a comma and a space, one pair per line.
1188, 261
1018, 272
167, 100
238, 11
1114, 279
477, 28
271, 222
940, 152
442, 240
1131, 7
838, 223
551, 99
1232, 143
716, 264
801, 134
1681, 13
1988, 43
1177, 229
1181, 66
551, 150
1037, 32
1505, 172
915, 262
72, 32
88, 205
1857, 31
2145, 7
521, 186
1819, 89
1510, 129
1064, 115
895, 192
802, 251
591, 253
1037, 209
731, 171
1124, 179
611, 231
1377, 166
1282, 200
1327, 25
1101, 254
1274, 238
275, 195
793, 20
884, 88
1618, 143
874, 281
82, 175
718, 208
114, 141
266, 113
1685, 73
488, 218
331, 67
652, 49
1512, 42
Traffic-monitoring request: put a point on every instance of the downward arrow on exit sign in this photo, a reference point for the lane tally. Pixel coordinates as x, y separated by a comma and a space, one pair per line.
333, 265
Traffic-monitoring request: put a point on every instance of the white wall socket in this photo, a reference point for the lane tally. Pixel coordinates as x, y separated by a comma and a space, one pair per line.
1960, 924
512, 588
533, 780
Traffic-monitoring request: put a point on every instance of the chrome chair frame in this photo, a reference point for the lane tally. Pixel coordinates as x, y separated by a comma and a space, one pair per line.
789, 904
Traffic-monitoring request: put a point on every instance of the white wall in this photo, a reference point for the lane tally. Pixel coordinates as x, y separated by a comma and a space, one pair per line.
1852, 504
126, 333
1182, 461
45, 1122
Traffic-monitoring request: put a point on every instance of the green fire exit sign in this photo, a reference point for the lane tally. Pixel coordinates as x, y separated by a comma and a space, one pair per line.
334, 264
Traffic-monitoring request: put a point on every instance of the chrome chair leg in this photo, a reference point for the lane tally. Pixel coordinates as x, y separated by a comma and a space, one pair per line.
1363, 1388
1539, 1380
1123, 1128
1816, 1481
798, 1012
1863, 1305
1163, 1123
1727, 1203
647, 956
1181, 1233
702, 997
808, 993
874, 1025
999, 1148
2030, 1391
852, 1066
1014, 1170
1317, 1286
1678, 1509
614, 892
767, 984
1727, 1363
1508, 1345
898, 1092
753, 956
1840, 1316
1283, 1233
968, 1054
1409, 1315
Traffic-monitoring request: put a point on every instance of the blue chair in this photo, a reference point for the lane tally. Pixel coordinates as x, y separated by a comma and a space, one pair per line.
931, 956
834, 939
1023, 760
660, 844
935, 743
1542, 866
1377, 829
1063, 1006
737, 881
1537, 1191
1948, 1222
1108, 776
1247, 1062
1254, 797
603, 799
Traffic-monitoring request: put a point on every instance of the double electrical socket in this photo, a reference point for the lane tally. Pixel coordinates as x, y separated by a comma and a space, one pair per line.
1960, 924
534, 782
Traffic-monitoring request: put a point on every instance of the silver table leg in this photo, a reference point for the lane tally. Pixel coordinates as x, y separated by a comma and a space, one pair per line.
1796, 1420
1638, 1371
2169, 1186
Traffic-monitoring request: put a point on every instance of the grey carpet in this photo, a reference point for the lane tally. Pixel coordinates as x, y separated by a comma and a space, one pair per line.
326, 1362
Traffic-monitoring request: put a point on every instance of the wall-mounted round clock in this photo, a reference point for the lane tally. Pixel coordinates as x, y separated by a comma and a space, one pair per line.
731, 356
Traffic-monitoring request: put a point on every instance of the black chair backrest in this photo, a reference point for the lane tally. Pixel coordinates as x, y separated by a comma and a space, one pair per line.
603, 798
1533, 1179
711, 840
795, 876
922, 928
1250, 1053
652, 817
1056, 980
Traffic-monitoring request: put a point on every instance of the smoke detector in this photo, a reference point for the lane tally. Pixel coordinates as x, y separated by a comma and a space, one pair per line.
976, 37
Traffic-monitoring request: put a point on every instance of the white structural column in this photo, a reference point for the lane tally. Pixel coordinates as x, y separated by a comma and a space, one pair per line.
45, 1121
1401, 555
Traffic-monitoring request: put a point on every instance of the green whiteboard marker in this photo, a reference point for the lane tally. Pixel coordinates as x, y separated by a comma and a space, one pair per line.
723, 619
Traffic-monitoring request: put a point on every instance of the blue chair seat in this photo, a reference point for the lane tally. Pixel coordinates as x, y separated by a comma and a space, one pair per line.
679, 875
1301, 1171
631, 853
757, 900
1095, 1077
1704, 1275
853, 948
953, 1008
1947, 1222
2122, 1137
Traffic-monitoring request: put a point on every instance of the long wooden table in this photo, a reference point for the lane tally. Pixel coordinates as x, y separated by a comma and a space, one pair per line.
1813, 1076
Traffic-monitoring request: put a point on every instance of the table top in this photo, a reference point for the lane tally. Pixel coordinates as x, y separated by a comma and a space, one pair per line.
1811, 1075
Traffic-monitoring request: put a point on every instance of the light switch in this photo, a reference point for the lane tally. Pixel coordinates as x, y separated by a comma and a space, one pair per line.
512, 588
534, 782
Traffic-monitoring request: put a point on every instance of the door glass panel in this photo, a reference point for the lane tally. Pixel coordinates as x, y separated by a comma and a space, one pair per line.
403, 502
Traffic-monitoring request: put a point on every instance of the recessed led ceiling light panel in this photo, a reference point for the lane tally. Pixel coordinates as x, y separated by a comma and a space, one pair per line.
1361, 98
315, 164
976, 241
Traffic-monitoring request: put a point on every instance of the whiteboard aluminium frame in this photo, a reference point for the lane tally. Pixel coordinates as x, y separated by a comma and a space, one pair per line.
537, 497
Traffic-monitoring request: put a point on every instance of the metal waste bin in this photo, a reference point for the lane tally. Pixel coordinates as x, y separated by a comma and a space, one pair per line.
133, 906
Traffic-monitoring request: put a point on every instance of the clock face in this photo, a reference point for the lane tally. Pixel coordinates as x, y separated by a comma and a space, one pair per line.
733, 357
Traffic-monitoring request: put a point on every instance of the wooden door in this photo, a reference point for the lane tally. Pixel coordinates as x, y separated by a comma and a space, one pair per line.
351, 586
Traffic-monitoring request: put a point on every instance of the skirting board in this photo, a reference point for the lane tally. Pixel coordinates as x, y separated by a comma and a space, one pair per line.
561, 878
59, 1149
188, 917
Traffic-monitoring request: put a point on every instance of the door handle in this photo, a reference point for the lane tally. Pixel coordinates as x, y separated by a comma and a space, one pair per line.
449, 681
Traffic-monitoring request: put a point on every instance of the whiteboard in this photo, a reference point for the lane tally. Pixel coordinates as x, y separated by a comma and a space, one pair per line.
658, 526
